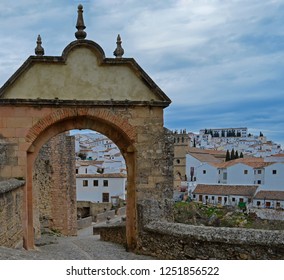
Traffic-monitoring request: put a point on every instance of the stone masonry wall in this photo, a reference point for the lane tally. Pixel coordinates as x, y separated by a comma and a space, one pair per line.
55, 186
11, 208
178, 241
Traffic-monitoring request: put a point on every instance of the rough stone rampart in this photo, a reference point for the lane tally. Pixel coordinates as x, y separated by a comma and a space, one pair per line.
55, 186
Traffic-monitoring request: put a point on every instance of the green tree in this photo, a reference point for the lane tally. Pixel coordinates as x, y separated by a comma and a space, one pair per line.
236, 155
232, 154
228, 158
260, 134
241, 155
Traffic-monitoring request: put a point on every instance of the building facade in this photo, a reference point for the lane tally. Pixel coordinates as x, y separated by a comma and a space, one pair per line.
100, 187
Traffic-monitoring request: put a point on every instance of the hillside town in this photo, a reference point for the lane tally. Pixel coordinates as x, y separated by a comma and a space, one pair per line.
100, 169
225, 166
229, 167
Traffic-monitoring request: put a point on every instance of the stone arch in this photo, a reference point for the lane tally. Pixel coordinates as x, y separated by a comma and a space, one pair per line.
101, 120
67, 113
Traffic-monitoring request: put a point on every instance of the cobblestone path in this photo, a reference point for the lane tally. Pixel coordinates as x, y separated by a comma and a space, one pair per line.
82, 247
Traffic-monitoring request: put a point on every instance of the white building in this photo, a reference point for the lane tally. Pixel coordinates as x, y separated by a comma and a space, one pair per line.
269, 199
274, 177
200, 165
100, 187
223, 194
203, 168
225, 132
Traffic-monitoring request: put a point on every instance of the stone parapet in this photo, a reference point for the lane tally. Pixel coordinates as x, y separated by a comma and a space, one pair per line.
10, 185
114, 232
179, 241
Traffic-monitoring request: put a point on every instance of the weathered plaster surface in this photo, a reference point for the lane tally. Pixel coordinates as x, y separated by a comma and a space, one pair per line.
80, 78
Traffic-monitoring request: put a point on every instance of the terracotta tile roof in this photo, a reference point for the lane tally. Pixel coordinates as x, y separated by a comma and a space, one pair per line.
278, 155
242, 190
271, 195
255, 162
89, 162
109, 175
204, 155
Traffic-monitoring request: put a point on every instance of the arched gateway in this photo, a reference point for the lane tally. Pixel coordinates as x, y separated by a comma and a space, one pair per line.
82, 89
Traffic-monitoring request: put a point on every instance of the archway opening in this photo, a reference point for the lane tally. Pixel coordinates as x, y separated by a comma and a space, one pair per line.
117, 135
79, 180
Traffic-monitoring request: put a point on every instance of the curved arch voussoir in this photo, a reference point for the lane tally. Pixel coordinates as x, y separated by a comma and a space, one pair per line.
66, 113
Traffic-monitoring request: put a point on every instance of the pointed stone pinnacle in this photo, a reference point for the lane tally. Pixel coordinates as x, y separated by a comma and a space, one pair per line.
80, 34
39, 50
119, 51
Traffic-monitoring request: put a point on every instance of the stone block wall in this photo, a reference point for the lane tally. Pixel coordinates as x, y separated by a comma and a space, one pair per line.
54, 186
11, 212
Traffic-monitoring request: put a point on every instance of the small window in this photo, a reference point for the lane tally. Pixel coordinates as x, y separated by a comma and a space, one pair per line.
219, 171
258, 203
233, 199
259, 182
95, 183
105, 197
76, 170
178, 161
204, 171
212, 197
258, 171
85, 183
245, 171
274, 171
105, 184
241, 200
206, 197
86, 170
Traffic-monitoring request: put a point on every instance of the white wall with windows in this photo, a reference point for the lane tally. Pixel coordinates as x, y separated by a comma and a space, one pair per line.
206, 174
240, 174
274, 176
100, 188
224, 200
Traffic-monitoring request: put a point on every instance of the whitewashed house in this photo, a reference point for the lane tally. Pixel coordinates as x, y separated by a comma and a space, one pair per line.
100, 187
274, 176
224, 195
269, 199
199, 165
275, 158
240, 173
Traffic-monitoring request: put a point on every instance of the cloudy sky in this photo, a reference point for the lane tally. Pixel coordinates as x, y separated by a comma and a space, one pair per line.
220, 61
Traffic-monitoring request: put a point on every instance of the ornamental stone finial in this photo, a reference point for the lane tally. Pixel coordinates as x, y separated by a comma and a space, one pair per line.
39, 50
119, 51
80, 34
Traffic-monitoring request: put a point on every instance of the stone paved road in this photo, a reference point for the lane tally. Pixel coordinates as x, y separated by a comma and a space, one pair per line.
82, 247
